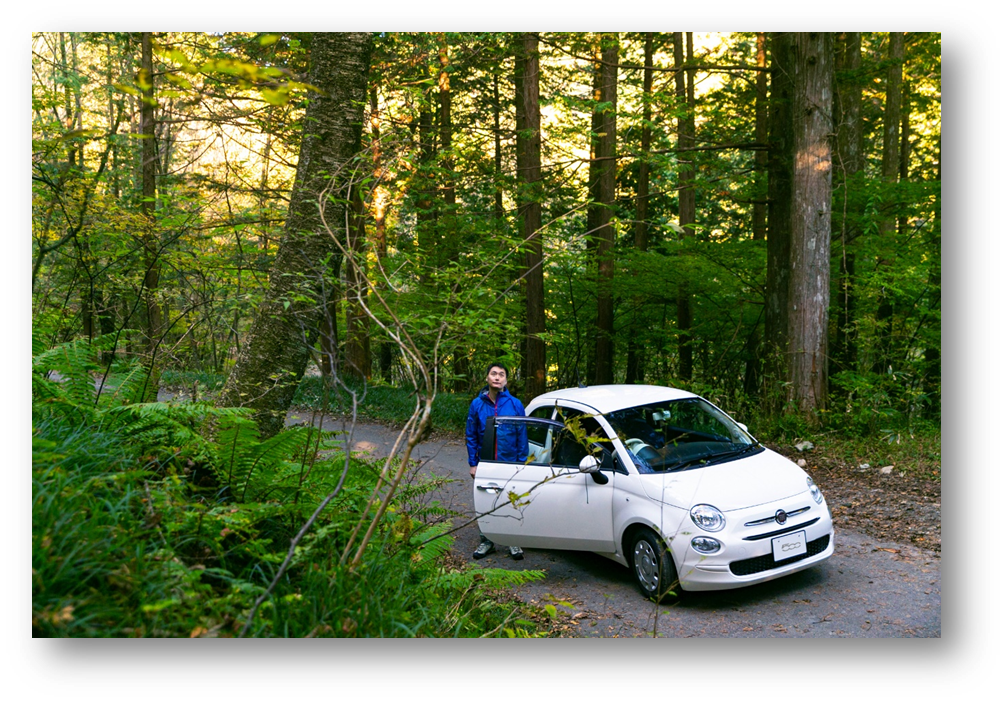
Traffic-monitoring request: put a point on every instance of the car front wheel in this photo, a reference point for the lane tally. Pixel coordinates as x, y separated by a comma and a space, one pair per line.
653, 566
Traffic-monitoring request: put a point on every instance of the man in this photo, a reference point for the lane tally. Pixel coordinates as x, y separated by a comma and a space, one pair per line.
495, 401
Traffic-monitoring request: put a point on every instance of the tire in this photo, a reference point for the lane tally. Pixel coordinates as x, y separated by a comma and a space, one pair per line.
653, 566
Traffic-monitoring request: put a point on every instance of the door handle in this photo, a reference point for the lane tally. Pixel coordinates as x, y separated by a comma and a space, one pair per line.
490, 487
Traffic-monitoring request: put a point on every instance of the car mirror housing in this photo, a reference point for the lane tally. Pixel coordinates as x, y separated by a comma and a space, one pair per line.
591, 465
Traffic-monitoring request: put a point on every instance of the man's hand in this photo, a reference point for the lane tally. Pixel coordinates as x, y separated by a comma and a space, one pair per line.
472, 472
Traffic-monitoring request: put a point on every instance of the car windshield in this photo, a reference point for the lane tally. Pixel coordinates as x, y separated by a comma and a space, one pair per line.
680, 434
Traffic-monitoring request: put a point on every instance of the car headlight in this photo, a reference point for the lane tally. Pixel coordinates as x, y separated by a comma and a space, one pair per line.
708, 518
705, 545
814, 490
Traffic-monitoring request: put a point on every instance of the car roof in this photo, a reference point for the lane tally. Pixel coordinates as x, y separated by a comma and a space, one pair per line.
605, 399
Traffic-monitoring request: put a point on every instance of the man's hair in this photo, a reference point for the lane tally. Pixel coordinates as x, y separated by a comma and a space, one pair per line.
493, 365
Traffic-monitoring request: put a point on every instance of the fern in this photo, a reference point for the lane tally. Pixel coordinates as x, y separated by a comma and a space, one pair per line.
432, 546
487, 578
73, 363
129, 389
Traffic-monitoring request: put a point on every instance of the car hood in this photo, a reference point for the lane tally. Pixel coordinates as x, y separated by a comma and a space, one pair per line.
733, 485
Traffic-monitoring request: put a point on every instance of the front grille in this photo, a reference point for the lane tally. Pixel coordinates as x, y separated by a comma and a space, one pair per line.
776, 533
771, 518
755, 565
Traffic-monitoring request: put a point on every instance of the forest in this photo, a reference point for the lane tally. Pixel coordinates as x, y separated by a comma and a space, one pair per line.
229, 226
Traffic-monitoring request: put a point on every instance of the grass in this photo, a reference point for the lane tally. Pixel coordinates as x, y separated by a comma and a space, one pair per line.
386, 404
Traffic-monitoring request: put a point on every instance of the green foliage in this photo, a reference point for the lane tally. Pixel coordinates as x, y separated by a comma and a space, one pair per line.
101, 565
129, 540
452, 270
383, 403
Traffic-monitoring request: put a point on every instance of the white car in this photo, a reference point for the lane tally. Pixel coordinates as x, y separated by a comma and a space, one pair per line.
658, 479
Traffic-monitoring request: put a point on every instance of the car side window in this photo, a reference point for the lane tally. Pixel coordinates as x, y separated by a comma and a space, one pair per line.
568, 451
544, 412
551, 444
583, 431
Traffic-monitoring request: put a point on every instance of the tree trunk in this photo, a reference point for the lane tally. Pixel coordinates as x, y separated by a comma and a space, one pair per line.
810, 249
498, 150
357, 321
685, 85
529, 207
285, 329
759, 212
780, 186
426, 210
386, 348
604, 350
848, 173
152, 321
635, 364
889, 168
450, 237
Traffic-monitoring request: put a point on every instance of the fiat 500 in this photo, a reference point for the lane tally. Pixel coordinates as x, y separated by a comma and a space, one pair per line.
659, 480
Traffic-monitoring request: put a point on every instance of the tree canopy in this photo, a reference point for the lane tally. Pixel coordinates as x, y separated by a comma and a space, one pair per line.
586, 207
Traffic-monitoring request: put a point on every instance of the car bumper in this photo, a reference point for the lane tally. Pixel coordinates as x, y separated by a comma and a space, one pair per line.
746, 556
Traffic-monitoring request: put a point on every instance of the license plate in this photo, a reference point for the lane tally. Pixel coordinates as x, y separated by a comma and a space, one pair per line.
787, 546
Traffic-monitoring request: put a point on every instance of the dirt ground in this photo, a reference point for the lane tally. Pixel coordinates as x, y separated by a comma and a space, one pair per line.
891, 506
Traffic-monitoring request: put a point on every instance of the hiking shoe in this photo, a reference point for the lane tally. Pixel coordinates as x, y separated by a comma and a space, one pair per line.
517, 553
485, 548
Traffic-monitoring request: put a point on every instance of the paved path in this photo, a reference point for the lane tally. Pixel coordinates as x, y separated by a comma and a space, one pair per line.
867, 589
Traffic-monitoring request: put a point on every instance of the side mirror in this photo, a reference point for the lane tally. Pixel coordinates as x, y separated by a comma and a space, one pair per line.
590, 465
743, 426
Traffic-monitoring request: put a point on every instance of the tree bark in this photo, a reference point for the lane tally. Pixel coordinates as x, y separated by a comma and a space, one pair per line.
810, 249
848, 172
780, 186
529, 208
889, 168
386, 348
759, 212
604, 350
635, 364
286, 324
151, 246
685, 88
357, 321
426, 209
449, 235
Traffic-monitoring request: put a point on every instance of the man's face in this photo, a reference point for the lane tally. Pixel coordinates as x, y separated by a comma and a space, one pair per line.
496, 378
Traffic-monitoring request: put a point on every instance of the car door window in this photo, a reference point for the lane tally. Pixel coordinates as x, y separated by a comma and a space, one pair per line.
539, 443
549, 443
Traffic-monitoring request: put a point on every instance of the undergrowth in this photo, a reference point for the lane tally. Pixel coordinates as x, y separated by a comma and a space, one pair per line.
170, 519
383, 403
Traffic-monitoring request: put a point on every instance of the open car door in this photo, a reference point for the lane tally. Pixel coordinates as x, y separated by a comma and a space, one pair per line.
551, 500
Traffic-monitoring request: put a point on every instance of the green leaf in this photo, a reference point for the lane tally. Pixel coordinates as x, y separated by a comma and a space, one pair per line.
280, 96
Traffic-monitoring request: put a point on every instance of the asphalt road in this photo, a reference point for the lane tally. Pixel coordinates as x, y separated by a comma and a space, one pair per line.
867, 589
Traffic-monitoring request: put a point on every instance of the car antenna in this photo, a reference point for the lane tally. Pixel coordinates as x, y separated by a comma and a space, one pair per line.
579, 383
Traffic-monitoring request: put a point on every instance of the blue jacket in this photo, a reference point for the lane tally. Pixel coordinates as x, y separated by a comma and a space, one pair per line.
511, 440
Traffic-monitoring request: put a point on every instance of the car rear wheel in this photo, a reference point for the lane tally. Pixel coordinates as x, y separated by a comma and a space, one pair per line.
653, 566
